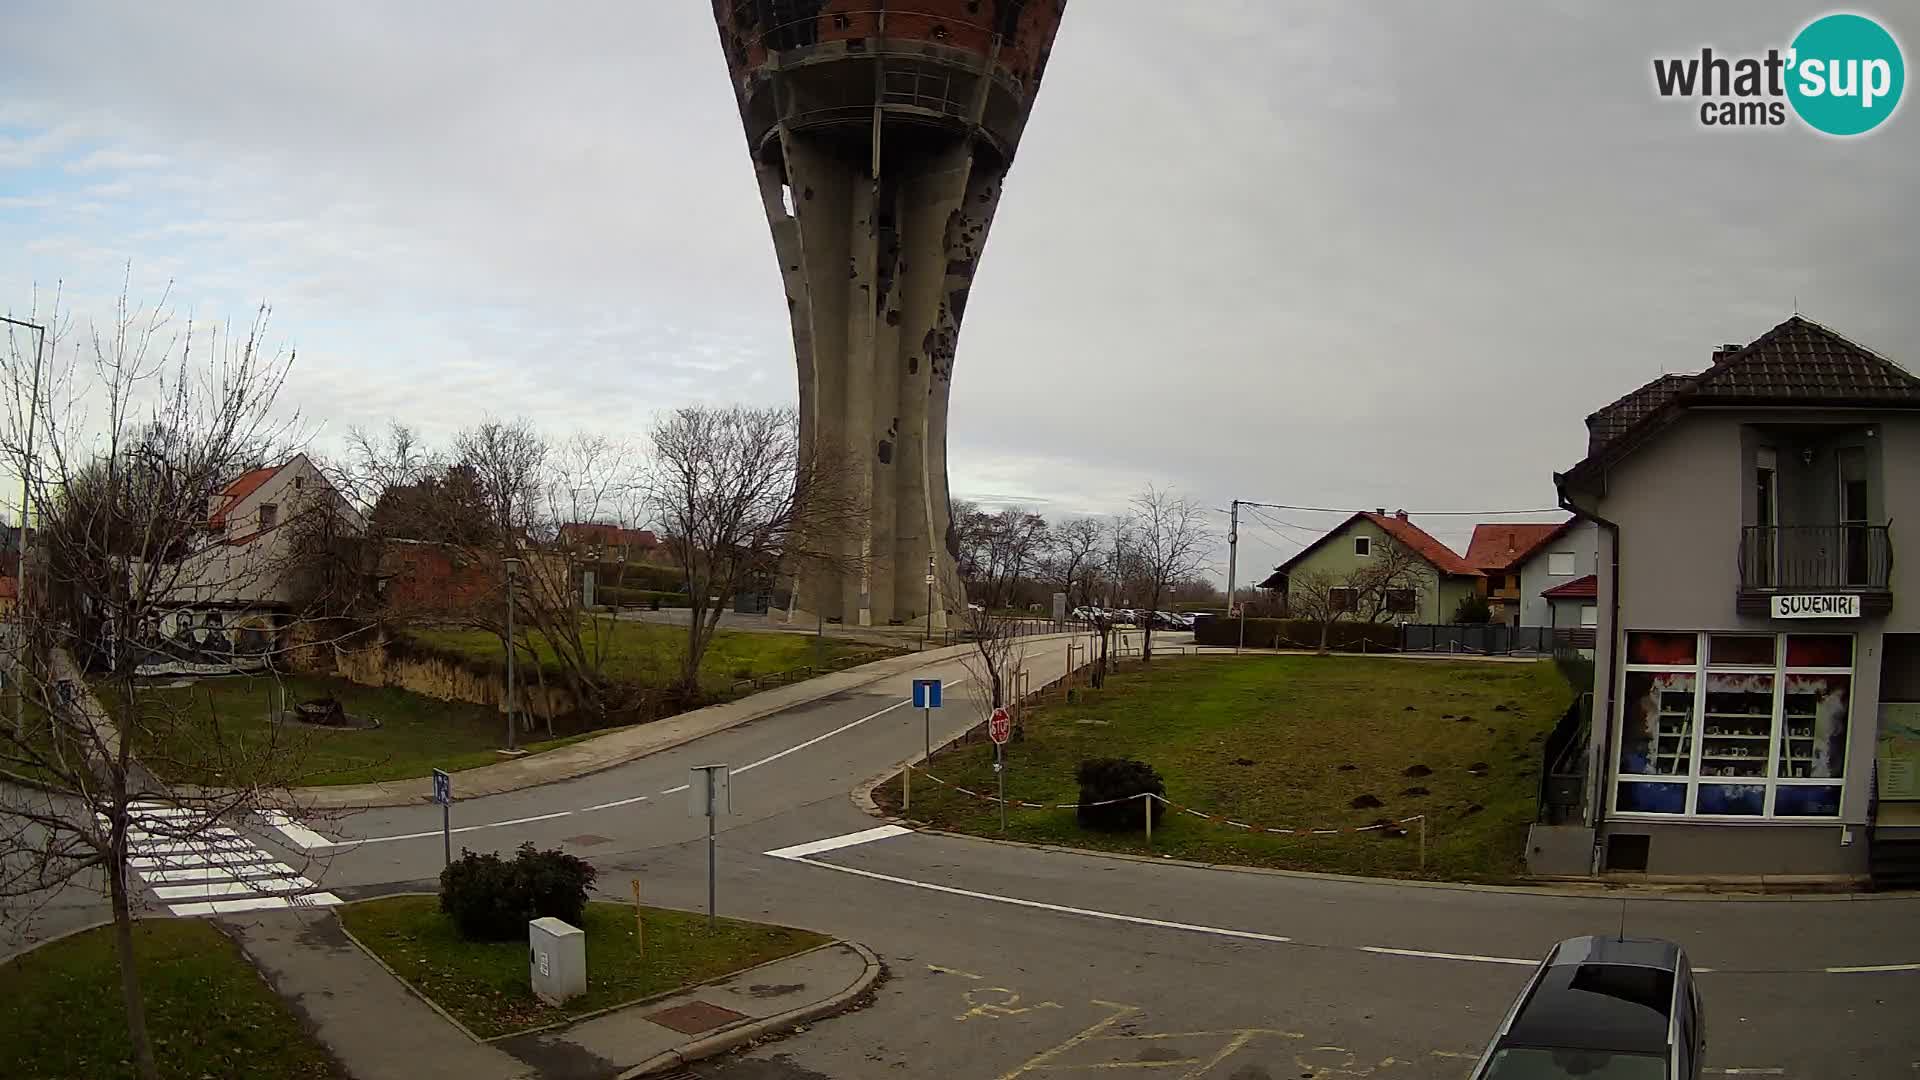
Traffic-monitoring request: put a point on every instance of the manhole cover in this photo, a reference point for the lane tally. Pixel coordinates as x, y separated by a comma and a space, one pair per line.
695, 1017
585, 840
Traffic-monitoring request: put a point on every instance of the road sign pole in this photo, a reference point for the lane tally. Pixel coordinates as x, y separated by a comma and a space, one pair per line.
710, 870
1000, 769
1146, 807
927, 715
446, 831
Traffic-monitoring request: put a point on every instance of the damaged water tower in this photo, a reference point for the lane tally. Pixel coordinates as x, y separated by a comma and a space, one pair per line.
881, 132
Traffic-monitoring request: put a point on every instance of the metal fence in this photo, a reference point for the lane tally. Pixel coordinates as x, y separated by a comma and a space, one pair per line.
1482, 638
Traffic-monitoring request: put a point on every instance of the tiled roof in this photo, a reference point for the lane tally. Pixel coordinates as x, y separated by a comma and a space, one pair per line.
1499, 545
1423, 544
1798, 362
1580, 588
1614, 419
245, 485
1416, 539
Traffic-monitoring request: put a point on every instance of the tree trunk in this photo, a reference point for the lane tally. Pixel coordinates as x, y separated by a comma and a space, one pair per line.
1326, 629
143, 1061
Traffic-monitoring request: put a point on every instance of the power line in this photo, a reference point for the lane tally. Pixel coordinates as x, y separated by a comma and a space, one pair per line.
1423, 513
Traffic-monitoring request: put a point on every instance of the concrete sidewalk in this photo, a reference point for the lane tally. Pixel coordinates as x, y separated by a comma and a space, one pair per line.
366, 1018
627, 744
668, 1032
376, 1027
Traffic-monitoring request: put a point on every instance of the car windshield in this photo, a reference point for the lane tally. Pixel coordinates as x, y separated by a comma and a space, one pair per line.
1532, 1063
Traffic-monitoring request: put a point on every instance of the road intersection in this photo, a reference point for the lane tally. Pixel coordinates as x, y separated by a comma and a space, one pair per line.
1009, 960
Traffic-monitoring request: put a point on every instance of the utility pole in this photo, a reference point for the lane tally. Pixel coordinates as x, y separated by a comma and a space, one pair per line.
511, 565
26, 510
1233, 562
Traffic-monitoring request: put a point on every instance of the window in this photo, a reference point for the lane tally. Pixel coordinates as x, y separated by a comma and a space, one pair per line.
1734, 725
1402, 601
1362, 546
269, 515
299, 483
1560, 564
1340, 599
1589, 615
1496, 582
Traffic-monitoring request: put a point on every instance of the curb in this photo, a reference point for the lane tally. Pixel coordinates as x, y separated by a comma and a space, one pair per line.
330, 797
61, 936
721, 1042
862, 799
397, 977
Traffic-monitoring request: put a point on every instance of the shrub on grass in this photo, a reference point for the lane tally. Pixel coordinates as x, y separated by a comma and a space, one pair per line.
1104, 779
490, 899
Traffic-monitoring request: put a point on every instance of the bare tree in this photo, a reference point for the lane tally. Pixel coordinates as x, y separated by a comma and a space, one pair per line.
1170, 542
1389, 584
1321, 597
137, 431
998, 658
1074, 558
739, 500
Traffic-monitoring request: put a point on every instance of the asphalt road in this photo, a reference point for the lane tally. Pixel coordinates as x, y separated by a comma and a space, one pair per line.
1008, 961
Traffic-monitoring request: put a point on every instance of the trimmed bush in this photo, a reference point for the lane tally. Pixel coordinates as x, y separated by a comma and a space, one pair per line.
640, 576
1346, 635
1102, 779
648, 598
490, 899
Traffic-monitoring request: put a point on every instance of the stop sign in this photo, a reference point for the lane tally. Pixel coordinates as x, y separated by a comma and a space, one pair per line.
999, 726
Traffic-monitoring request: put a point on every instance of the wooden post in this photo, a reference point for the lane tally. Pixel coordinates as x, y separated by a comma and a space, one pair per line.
906, 789
1423, 841
1146, 802
640, 927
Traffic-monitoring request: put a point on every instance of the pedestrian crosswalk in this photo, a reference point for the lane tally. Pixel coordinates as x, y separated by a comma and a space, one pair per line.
197, 867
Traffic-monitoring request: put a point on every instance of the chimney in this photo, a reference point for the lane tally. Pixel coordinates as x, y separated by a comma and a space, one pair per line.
1401, 514
1721, 354
1380, 510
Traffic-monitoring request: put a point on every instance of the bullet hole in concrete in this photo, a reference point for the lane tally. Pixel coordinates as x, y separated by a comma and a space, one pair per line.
794, 266
913, 365
893, 316
973, 7
807, 194
853, 268
939, 32
959, 268
893, 429
886, 452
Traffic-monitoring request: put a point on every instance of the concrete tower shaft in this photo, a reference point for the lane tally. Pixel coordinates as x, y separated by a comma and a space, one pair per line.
881, 131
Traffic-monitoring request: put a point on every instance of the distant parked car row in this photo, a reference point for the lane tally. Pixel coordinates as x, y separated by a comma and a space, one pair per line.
1160, 620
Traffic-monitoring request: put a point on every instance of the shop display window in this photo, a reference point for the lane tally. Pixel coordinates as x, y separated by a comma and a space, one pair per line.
1731, 725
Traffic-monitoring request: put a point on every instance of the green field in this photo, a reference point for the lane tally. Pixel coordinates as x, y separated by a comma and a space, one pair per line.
650, 654
484, 984
209, 1012
217, 731
1286, 742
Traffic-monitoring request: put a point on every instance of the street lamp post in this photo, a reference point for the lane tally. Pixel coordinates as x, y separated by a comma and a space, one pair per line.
512, 568
26, 508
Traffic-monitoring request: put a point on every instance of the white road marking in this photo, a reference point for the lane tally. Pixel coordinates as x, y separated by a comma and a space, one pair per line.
676, 790
1137, 920
218, 873
835, 843
1748, 1072
186, 857
349, 844
207, 890
1864, 968
256, 903
835, 731
1474, 957
300, 836
616, 802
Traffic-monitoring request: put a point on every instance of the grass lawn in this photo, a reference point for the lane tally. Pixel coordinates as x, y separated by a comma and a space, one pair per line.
209, 1012
417, 733
1286, 742
484, 984
649, 654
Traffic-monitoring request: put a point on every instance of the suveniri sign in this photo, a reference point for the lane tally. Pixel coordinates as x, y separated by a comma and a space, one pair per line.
1816, 607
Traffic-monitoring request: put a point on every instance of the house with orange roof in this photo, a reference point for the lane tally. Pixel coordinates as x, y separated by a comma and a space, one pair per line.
1431, 580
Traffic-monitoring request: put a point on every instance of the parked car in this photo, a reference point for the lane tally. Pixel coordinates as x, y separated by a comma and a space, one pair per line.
1602, 1008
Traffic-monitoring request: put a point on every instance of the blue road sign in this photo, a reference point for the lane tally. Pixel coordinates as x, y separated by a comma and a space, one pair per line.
926, 693
442, 788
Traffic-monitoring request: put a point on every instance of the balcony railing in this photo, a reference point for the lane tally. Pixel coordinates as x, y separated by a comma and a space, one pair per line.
1800, 558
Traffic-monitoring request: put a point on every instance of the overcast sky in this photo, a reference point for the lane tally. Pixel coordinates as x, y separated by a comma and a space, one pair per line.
1345, 254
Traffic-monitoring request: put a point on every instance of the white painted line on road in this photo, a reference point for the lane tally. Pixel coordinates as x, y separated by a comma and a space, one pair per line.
218, 873
1383, 950
299, 835
210, 889
616, 802
836, 731
835, 843
217, 858
255, 903
676, 790
1866, 968
1137, 920
1747, 1072
436, 832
